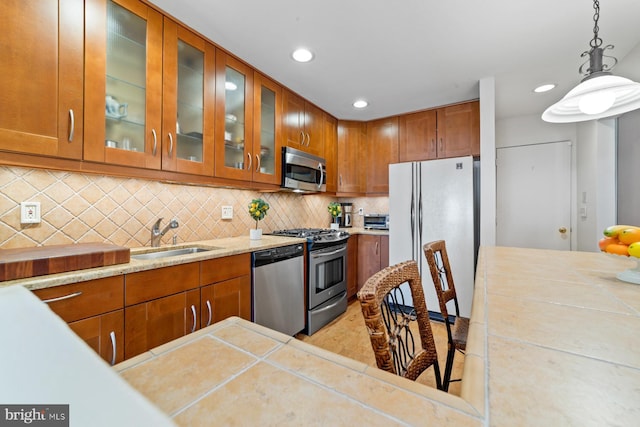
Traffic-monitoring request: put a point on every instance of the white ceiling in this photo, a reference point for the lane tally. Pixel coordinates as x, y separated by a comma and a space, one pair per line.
415, 54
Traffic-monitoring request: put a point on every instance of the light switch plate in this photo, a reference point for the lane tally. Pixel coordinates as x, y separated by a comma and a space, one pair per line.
361, 211
30, 212
227, 212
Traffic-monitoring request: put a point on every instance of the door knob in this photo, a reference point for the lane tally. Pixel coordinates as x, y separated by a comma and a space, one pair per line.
562, 230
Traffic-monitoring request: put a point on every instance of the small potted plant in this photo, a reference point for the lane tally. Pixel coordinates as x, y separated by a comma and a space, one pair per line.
257, 210
335, 210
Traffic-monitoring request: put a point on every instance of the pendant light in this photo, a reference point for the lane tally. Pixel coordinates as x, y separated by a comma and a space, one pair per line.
600, 94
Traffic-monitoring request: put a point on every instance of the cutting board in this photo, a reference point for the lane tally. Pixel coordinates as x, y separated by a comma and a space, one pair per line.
37, 261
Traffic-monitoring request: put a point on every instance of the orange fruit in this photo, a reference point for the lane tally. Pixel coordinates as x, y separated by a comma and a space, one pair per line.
606, 241
629, 235
617, 249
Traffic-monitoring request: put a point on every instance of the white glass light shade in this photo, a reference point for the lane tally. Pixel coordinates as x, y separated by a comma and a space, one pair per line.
595, 98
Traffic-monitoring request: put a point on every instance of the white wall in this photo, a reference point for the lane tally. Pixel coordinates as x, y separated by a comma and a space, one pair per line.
487, 162
596, 181
628, 167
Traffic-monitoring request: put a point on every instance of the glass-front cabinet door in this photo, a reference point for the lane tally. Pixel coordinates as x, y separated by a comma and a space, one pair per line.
189, 75
123, 83
234, 121
267, 129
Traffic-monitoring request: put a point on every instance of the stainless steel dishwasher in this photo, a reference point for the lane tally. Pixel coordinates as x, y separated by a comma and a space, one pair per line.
278, 288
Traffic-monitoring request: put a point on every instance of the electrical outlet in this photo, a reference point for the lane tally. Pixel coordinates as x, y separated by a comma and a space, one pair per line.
361, 211
227, 212
30, 212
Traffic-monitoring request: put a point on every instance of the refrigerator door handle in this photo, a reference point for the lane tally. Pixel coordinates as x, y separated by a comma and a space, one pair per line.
412, 210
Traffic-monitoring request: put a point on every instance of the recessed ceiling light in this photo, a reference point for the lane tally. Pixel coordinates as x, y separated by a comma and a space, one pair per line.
545, 87
230, 86
302, 55
360, 103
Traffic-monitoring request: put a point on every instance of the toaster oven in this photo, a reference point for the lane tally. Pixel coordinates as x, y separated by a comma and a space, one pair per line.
376, 221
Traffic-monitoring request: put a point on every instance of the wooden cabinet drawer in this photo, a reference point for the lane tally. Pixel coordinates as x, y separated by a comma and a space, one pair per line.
220, 269
148, 285
85, 299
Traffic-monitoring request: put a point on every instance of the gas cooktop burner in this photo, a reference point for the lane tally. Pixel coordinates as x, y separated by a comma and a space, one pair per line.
315, 234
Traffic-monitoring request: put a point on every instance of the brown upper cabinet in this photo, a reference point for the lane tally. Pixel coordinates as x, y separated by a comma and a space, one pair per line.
331, 152
382, 149
188, 103
41, 90
234, 118
444, 132
147, 81
351, 158
267, 130
123, 83
303, 124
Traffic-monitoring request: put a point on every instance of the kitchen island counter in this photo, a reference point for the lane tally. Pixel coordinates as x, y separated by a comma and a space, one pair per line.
551, 343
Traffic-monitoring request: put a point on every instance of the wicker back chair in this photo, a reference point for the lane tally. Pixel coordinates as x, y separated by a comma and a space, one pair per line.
457, 329
389, 327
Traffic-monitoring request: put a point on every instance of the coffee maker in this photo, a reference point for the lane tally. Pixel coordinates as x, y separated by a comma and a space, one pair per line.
345, 216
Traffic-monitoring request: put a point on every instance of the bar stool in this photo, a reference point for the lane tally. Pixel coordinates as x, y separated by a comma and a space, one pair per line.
457, 331
393, 343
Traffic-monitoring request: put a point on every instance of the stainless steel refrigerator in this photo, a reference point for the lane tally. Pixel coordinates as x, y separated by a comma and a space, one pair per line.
436, 200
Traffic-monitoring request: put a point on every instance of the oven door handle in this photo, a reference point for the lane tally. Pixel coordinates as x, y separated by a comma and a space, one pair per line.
329, 307
324, 254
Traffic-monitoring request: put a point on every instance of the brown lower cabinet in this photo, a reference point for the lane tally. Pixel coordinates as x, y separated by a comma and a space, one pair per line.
225, 299
373, 256
123, 316
161, 320
104, 334
352, 266
94, 310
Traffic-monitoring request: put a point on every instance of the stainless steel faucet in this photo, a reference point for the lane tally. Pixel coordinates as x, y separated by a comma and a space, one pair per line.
156, 234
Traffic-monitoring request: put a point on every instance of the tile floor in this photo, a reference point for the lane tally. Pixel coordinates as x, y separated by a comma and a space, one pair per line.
348, 337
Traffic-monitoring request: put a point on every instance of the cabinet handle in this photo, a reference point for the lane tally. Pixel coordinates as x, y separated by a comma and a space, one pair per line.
340, 179
210, 313
433, 145
155, 141
112, 335
377, 247
170, 146
193, 311
250, 161
64, 297
72, 126
301, 138
440, 148
257, 163
308, 139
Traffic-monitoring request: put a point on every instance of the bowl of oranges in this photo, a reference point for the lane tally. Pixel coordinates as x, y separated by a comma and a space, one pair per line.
623, 240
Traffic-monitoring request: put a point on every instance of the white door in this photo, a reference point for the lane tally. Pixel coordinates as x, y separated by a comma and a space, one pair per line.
533, 196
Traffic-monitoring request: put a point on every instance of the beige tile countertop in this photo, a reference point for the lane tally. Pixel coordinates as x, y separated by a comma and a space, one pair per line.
551, 343
217, 248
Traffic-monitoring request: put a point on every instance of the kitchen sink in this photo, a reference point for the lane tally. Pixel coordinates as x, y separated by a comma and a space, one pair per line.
166, 253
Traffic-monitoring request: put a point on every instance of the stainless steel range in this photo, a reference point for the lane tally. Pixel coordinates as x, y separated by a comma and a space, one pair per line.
326, 274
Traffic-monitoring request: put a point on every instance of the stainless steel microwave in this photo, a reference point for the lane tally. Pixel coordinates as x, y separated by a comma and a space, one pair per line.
303, 172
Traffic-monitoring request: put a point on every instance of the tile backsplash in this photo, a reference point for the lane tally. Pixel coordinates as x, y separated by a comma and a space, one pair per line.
92, 208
